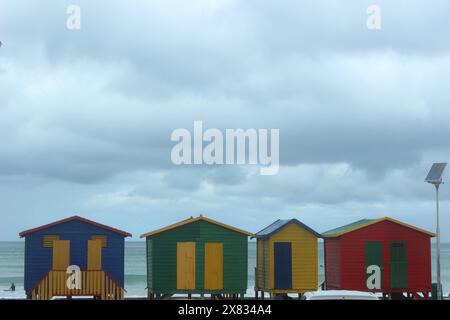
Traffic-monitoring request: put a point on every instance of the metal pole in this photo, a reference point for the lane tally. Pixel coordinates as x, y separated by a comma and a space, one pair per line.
438, 247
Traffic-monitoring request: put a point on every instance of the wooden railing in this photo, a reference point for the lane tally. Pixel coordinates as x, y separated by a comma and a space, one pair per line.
92, 283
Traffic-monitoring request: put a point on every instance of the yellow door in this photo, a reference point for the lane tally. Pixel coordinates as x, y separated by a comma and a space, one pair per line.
186, 265
94, 255
61, 254
214, 266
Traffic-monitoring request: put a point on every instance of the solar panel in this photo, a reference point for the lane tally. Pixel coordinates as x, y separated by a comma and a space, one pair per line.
435, 173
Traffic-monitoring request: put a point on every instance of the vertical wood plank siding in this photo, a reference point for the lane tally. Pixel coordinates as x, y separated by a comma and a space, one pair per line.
93, 283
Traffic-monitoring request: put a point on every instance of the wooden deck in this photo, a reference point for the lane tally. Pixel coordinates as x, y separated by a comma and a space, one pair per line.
92, 283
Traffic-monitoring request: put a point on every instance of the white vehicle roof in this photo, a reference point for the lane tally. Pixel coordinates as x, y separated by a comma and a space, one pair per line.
340, 295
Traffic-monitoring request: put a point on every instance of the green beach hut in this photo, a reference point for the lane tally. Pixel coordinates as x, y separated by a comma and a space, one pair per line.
197, 256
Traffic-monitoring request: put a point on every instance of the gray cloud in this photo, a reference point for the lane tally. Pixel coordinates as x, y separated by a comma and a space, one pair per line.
86, 116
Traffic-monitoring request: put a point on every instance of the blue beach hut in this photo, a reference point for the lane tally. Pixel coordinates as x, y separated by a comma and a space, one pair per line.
74, 257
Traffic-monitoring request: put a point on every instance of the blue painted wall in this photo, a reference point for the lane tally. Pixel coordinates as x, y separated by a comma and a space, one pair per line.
38, 260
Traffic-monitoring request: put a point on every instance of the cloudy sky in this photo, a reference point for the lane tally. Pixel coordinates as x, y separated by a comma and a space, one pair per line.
86, 115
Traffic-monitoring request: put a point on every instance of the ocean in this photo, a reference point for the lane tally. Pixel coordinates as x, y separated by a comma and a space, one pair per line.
11, 268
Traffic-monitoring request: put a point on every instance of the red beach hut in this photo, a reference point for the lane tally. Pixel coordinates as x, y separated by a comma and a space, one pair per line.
379, 255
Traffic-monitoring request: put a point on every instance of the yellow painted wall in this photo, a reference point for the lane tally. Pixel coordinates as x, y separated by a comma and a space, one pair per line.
266, 262
262, 263
259, 276
304, 258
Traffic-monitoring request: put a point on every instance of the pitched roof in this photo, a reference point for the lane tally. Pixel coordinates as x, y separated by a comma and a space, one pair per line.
46, 226
367, 222
191, 220
279, 224
348, 227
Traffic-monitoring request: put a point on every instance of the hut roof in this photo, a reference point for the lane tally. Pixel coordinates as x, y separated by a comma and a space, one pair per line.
46, 226
367, 222
191, 220
279, 224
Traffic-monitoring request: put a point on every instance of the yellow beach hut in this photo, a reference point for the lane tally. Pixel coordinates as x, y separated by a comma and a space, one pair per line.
286, 258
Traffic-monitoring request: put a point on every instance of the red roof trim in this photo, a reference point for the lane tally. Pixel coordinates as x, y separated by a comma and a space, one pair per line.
45, 226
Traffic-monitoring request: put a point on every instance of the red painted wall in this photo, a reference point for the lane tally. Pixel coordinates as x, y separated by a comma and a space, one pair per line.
352, 257
332, 263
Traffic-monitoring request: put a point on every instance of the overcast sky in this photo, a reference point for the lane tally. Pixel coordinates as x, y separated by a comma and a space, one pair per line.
86, 115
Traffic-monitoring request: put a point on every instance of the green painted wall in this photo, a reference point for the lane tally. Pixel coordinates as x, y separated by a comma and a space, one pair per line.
162, 257
149, 262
